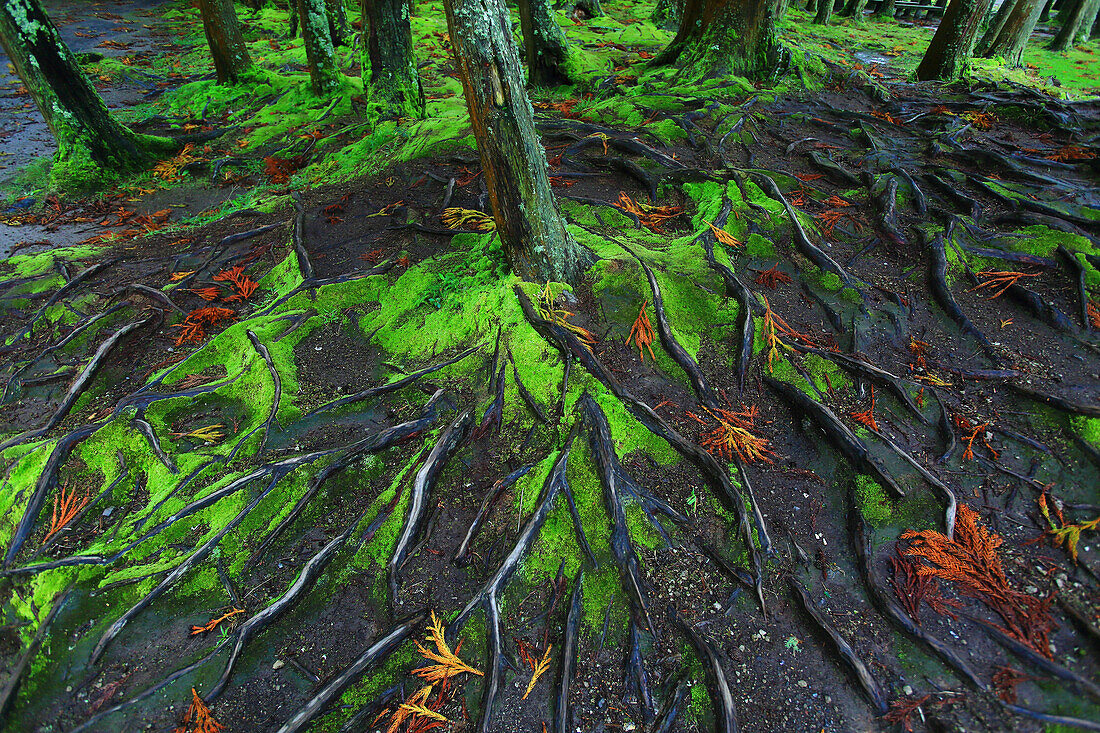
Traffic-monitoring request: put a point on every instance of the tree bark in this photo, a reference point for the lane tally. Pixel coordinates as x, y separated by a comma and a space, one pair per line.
1078, 22
666, 14
719, 37
89, 140
824, 12
811, 6
948, 55
592, 8
1012, 40
512, 157
1045, 15
885, 9
390, 74
223, 34
337, 22
546, 48
317, 38
854, 9
996, 24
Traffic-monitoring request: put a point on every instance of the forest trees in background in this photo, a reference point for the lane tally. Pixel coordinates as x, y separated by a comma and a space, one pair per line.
223, 35
317, 39
1077, 21
390, 75
726, 37
513, 160
949, 52
87, 135
1013, 32
546, 47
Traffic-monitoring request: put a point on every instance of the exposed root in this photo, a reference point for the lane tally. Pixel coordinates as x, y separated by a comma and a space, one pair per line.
721, 696
370, 657
852, 661
451, 438
563, 718
461, 556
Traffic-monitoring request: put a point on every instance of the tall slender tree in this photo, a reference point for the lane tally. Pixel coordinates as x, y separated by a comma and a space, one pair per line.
544, 42
390, 75
1076, 25
317, 38
89, 139
726, 37
337, 22
1012, 38
886, 9
824, 12
223, 35
996, 22
854, 9
948, 55
512, 157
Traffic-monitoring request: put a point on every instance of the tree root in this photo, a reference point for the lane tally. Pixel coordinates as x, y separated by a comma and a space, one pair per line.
563, 716
461, 556
1051, 719
745, 325
146, 430
528, 398
861, 543
852, 661
1077, 272
78, 386
277, 471
847, 442
392, 386
715, 476
636, 674
721, 696
488, 597
1058, 403
449, 440
64, 290
374, 654
16, 673
801, 240
672, 707
298, 233
262, 350
622, 548
376, 443
937, 283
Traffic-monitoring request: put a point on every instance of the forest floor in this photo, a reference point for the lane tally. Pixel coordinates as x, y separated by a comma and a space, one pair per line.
262, 406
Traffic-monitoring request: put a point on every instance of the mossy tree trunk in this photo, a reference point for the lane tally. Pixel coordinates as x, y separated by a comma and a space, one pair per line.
88, 138
1014, 34
317, 38
854, 9
666, 14
824, 12
718, 37
223, 34
545, 46
337, 22
1045, 15
995, 25
512, 157
948, 55
591, 8
1078, 22
390, 74
811, 6
886, 9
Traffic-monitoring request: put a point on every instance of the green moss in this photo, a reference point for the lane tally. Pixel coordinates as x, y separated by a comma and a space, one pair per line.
872, 500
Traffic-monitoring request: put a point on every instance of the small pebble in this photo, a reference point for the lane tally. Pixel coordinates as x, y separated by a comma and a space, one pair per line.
279, 664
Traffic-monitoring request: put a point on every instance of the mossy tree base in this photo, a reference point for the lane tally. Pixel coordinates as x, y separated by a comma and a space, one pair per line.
390, 76
948, 55
718, 37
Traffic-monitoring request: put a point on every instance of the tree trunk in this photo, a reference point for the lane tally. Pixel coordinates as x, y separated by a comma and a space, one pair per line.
317, 38
996, 25
89, 140
885, 9
667, 13
591, 8
1079, 19
223, 34
512, 157
824, 12
811, 6
720, 37
1095, 32
337, 22
544, 42
1012, 40
1045, 15
948, 55
854, 9
390, 75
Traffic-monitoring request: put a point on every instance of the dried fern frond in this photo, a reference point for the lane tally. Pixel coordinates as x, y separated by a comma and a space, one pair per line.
642, 333
725, 237
456, 218
198, 719
447, 663
540, 669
